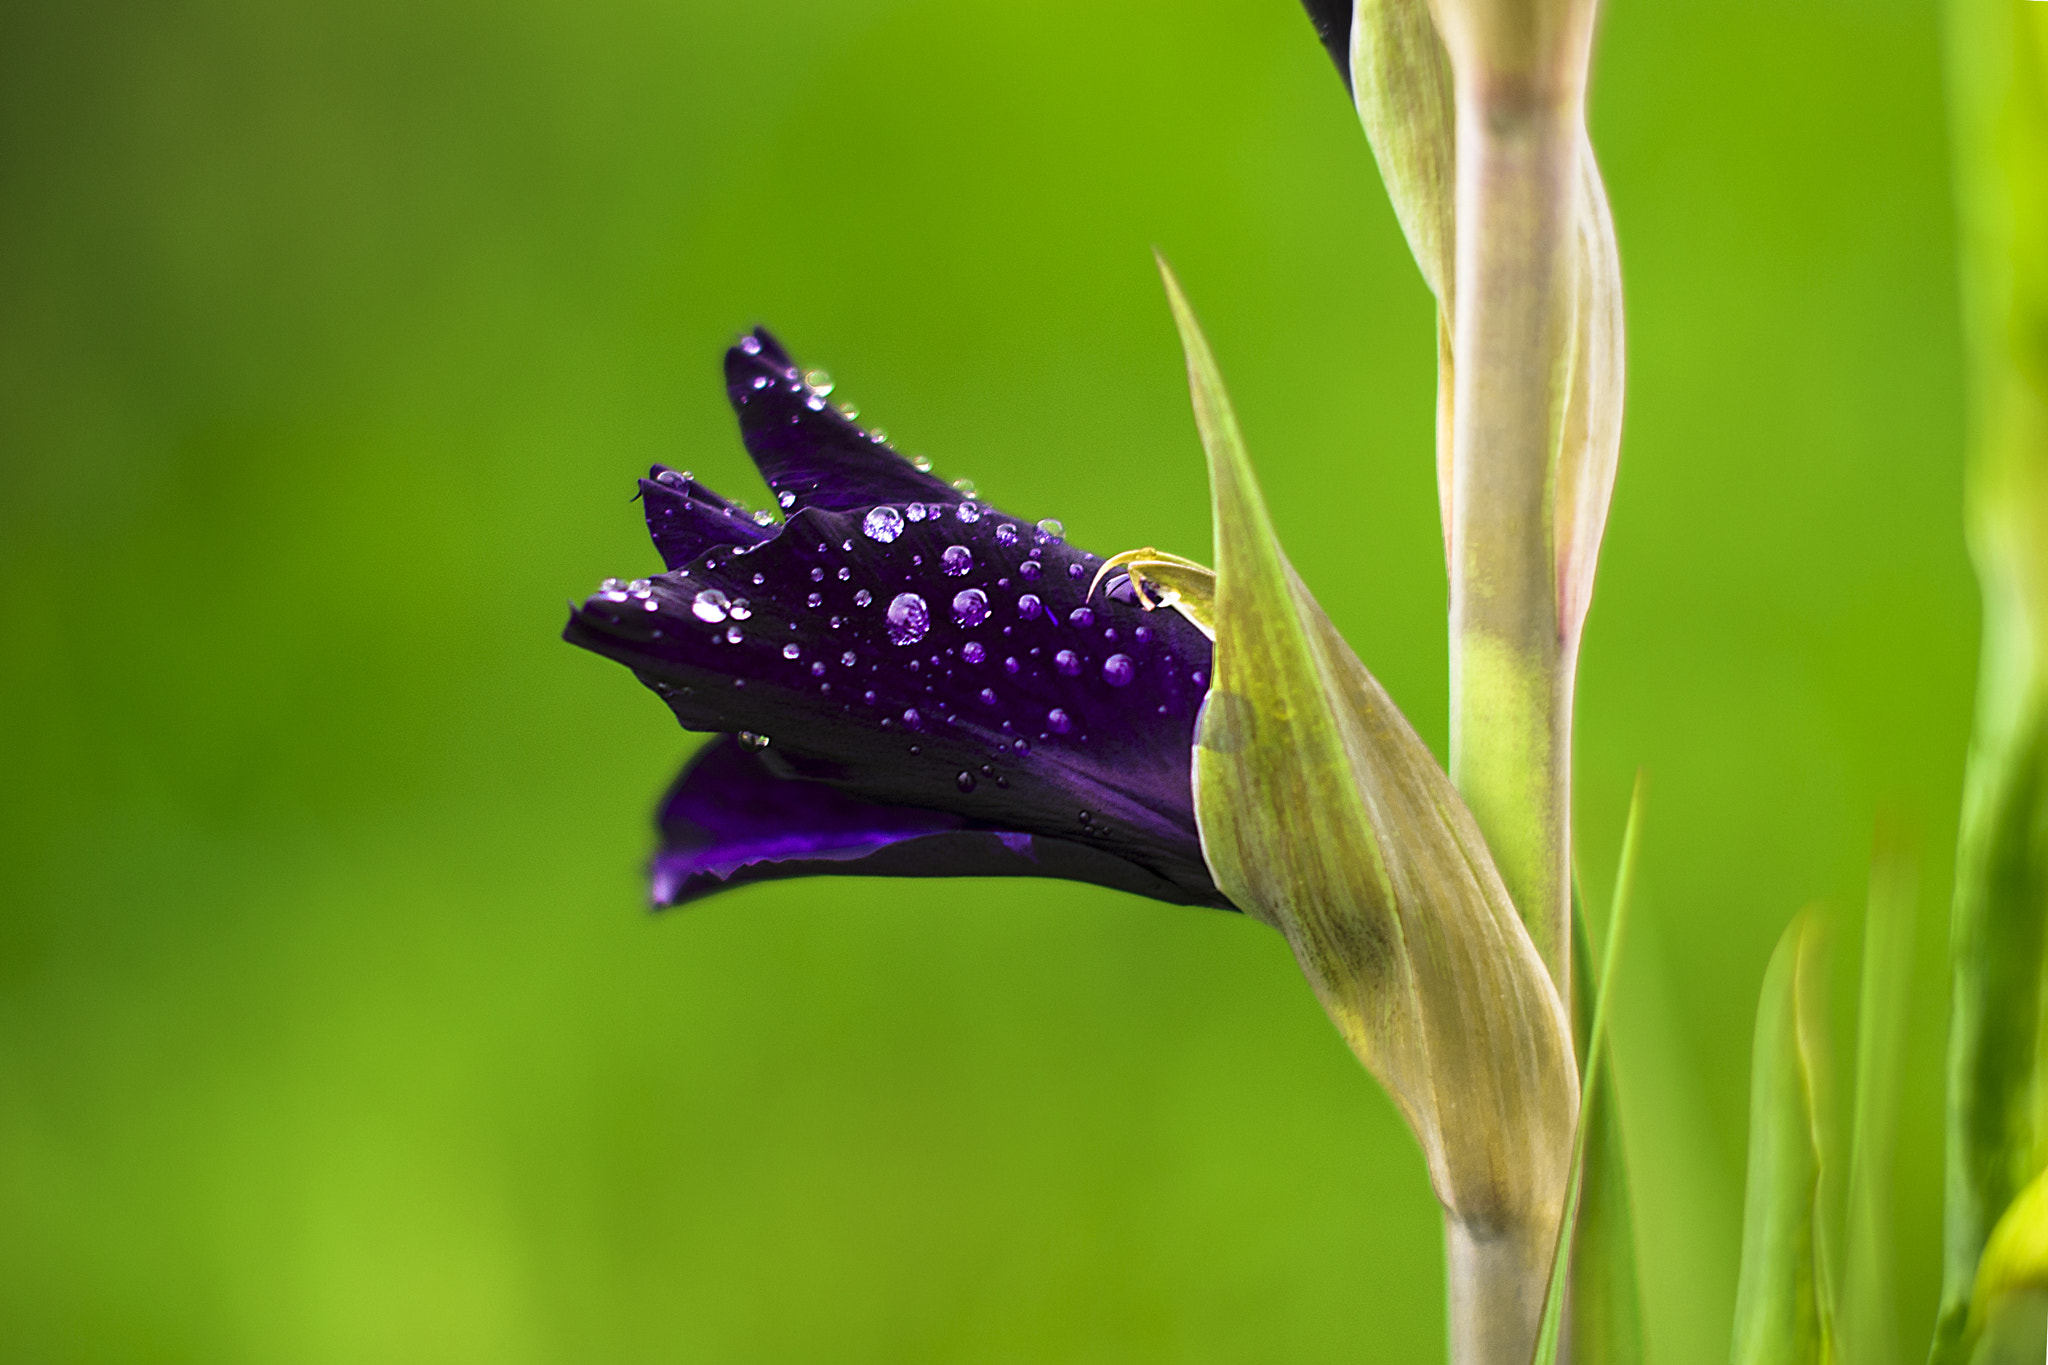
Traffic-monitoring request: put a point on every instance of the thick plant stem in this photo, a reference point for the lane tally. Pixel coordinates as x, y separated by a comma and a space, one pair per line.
1495, 1280
1512, 656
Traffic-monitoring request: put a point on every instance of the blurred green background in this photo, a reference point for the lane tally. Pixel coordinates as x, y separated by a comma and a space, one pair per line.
332, 336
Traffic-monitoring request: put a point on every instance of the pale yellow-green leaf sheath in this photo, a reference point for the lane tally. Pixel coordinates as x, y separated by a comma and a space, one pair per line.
1324, 815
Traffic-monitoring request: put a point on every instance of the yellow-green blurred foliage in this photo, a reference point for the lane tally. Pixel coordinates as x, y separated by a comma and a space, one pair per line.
331, 338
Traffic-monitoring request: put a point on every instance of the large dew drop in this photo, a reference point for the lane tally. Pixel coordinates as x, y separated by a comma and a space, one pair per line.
1118, 670
883, 524
957, 560
970, 607
909, 618
711, 606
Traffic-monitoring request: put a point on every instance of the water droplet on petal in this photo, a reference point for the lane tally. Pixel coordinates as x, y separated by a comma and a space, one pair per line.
915, 511
1067, 661
921, 463
1059, 722
752, 740
1029, 607
1118, 670
759, 579
970, 607
883, 524
863, 597
791, 651
1081, 617
1049, 529
821, 380
1006, 534
733, 635
965, 782
909, 618
849, 658
957, 560
1010, 665
751, 345
670, 478
969, 511
1143, 633
786, 498
965, 486
988, 696
818, 669
847, 410
1076, 570
816, 599
1029, 570
740, 608
973, 652
711, 605
911, 718
845, 573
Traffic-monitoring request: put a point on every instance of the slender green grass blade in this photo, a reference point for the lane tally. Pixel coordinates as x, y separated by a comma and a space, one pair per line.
1594, 1237
1784, 1302
1868, 1329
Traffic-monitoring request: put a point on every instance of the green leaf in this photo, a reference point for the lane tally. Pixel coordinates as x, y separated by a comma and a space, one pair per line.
1593, 1273
1996, 951
1998, 102
1784, 1302
1324, 815
2015, 1262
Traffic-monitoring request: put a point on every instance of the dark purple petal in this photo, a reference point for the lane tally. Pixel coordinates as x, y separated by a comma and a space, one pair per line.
810, 454
686, 518
1332, 19
732, 819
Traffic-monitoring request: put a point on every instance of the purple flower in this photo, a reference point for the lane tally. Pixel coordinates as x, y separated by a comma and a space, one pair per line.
905, 680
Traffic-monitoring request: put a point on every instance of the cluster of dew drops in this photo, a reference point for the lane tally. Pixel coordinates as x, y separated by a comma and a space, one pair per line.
907, 616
